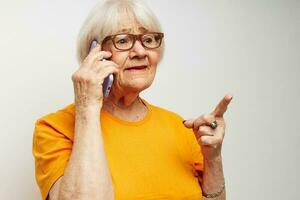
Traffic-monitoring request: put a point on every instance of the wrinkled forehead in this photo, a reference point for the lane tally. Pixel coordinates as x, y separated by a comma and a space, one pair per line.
128, 23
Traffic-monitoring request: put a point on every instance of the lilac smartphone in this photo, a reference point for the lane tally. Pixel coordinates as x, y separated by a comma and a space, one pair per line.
107, 83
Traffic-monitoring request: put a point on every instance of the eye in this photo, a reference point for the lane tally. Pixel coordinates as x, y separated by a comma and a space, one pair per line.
148, 40
122, 41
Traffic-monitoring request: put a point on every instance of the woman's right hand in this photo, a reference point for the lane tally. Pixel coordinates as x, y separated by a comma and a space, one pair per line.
88, 79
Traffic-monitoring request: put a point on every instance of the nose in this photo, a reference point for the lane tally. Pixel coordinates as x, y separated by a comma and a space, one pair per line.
138, 50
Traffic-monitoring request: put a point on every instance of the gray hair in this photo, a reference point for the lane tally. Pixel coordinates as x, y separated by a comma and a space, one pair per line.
104, 18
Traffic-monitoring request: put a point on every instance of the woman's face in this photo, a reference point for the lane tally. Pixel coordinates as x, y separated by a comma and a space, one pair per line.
133, 80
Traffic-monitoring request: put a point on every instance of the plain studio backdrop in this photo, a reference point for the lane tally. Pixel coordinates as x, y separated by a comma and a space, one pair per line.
246, 48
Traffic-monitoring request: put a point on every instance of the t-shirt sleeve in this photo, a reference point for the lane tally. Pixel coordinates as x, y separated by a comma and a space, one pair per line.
195, 151
195, 155
51, 150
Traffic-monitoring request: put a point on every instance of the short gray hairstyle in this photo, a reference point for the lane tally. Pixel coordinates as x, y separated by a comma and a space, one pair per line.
104, 18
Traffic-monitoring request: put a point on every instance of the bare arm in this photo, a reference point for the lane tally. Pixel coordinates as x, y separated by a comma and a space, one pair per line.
87, 175
210, 131
213, 178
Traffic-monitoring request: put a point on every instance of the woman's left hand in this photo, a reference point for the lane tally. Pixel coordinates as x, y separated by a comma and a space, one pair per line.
210, 139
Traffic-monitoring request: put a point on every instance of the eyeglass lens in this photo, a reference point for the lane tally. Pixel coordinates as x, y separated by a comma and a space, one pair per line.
125, 41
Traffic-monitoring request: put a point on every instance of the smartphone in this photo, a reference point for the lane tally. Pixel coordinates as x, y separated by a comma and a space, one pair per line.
108, 81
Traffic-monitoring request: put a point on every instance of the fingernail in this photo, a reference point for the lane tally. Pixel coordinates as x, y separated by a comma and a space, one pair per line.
183, 121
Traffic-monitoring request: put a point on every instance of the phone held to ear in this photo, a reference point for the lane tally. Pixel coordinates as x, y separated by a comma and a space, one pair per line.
108, 81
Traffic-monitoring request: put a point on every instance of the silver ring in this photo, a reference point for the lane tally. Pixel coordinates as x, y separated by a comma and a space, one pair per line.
214, 125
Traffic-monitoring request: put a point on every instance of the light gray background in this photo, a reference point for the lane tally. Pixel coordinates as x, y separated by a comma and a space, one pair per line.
247, 48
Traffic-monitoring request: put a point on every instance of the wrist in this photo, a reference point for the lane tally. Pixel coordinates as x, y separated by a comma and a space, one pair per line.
214, 194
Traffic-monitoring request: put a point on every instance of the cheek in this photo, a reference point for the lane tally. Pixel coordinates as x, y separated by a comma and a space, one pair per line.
117, 57
154, 58
120, 58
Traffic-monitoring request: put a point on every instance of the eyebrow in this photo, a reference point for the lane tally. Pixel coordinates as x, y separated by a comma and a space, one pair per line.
127, 30
143, 30
124, 30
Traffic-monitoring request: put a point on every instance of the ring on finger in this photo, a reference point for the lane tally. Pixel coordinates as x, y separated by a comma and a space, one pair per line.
214, 124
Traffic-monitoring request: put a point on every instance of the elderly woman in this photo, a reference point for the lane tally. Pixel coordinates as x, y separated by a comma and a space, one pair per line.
121, 146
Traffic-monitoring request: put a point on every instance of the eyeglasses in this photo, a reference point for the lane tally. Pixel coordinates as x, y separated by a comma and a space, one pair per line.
124, 41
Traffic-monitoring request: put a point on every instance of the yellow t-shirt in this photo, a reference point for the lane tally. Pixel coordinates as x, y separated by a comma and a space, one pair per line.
155, 158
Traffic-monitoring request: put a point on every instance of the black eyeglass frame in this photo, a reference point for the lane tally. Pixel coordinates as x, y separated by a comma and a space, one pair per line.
135, 37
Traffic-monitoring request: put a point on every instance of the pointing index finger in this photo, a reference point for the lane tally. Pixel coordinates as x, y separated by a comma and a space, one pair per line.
222, 106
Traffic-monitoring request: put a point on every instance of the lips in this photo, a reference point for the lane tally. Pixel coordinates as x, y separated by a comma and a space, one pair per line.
137, 67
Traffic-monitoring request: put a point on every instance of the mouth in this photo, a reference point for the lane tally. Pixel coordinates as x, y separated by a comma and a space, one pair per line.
136, 68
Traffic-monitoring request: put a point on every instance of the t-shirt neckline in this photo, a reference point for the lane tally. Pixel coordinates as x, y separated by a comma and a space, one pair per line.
129, 123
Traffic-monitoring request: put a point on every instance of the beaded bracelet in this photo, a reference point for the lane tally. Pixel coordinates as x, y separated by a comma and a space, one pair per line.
216, 194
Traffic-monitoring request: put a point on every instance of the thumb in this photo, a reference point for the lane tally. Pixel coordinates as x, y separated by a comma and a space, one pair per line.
188, 123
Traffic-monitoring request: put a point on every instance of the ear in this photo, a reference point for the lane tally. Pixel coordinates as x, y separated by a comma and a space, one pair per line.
106, 47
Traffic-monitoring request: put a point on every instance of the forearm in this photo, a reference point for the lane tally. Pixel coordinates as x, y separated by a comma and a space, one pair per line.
87, 174
213, 178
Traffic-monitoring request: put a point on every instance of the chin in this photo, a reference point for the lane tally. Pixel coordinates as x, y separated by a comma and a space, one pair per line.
138, 85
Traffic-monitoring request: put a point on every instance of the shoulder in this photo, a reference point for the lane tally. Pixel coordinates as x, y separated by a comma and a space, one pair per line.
62, 113
61, 121
166, 113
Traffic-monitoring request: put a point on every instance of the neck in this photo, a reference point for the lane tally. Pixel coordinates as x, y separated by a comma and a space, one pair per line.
124, 102
128, 107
